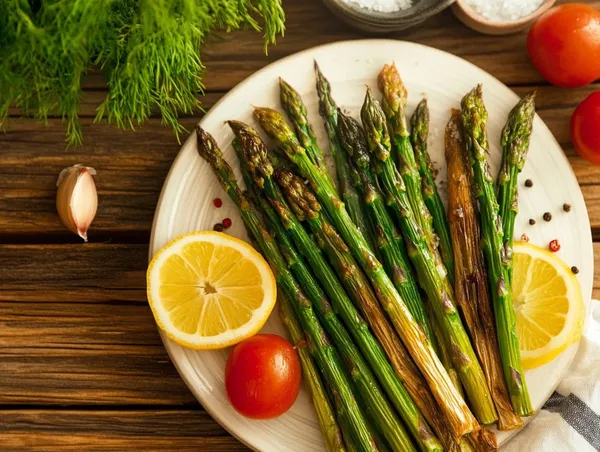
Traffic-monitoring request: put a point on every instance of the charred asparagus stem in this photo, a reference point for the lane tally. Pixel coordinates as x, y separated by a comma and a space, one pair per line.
296, 111
357, 285
515, 144
348, 178
257, 169
323, 352
433, 281
451, 403
474, 122
387, 238
471, 287
443, 351
419, 132
332, 434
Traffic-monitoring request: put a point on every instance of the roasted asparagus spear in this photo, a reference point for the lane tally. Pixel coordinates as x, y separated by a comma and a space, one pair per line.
326, 417
419, 131
471, 288
515, 144
348, 178
394, 104
296, 111
474, 123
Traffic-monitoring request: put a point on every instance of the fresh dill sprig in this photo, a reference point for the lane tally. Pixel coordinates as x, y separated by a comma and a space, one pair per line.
149, 51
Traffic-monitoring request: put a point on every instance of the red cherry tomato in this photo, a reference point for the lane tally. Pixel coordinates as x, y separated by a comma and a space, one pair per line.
564, 45
262, 376
585, 128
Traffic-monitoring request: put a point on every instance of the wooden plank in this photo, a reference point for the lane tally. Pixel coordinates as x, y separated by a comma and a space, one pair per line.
132, 166
76, 430
75, 273
85, 354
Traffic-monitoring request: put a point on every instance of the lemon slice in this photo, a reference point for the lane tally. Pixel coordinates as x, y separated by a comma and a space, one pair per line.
208, 290
548, 304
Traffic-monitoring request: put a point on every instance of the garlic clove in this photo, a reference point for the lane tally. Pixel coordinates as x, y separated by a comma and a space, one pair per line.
76, 198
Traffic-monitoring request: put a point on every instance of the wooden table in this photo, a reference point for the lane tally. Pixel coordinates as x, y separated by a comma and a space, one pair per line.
82, 366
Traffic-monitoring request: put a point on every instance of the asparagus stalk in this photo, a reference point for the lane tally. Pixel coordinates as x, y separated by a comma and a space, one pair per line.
471, 287
474, 122
348, 178
357, 285
419, 131
387, 238
394, 104
296, 111
457, 414
326, 356
433, 281
256, 167
325, 415
515, 144
443, 351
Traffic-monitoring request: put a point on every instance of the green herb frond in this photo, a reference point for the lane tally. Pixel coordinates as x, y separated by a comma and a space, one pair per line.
149, 51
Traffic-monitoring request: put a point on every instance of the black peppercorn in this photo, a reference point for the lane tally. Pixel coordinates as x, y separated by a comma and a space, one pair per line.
567, 207
547, 216
529, 183
218, 227
531, 221
575, 270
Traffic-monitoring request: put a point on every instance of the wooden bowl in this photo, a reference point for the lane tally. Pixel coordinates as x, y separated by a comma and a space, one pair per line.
380, 22
472, 20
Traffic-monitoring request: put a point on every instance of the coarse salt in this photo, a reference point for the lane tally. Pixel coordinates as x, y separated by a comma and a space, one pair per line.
503, 10
382, 6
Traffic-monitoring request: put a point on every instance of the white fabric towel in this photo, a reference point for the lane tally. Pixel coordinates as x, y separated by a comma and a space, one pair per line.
570, 420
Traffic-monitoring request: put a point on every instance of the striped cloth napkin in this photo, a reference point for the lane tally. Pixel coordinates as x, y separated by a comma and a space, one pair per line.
570, 420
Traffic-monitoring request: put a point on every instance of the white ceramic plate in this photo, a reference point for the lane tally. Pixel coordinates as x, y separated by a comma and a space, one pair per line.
186, 201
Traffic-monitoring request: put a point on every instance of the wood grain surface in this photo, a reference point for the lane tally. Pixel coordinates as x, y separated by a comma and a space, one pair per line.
82, 367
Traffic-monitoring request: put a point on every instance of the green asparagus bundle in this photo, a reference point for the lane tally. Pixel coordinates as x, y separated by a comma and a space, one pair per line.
255, 163
296, 112
474, 122
369, 393
342, 259
515, 144
419, 131
348, 178
388, 240
350, 416
456, 412
433, 281
471, 288
325, 415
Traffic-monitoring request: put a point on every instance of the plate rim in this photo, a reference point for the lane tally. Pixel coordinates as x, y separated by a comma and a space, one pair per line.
589, 256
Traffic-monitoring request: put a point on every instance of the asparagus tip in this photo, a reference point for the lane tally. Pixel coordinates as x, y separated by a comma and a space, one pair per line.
298, 194
207, 146
391, 85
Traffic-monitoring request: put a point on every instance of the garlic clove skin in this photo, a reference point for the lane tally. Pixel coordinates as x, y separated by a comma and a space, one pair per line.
76, 198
